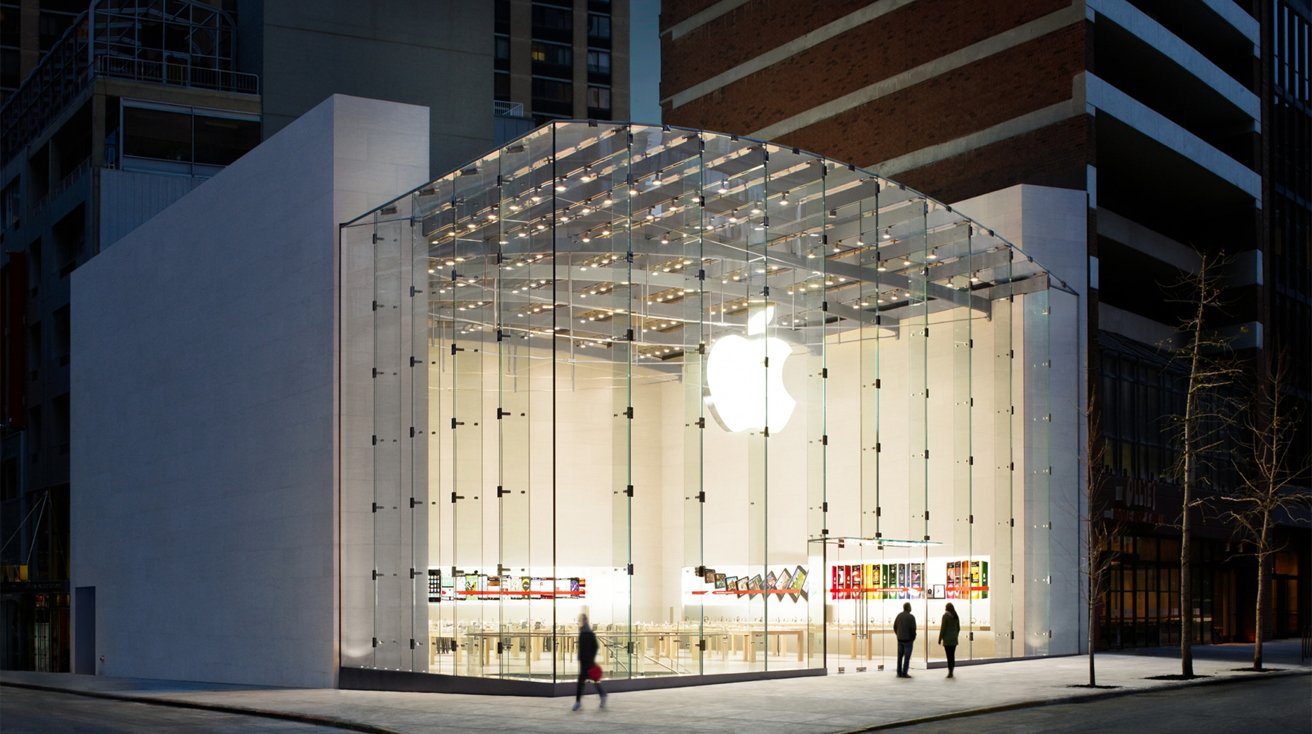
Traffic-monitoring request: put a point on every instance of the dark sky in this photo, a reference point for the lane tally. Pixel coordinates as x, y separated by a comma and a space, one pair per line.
645, 60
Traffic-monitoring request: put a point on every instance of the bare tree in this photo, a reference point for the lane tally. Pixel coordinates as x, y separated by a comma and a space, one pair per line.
1269, 477
1202, 428
1103, 527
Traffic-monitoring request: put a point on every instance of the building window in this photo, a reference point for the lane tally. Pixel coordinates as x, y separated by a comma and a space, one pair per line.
222, 140
501, 86
156, 134
11, 204
8, 71
11, 14
598, 30
51, 26
185, 136
598, 101
501, 16
553, 23
501, 53
553, 59
553, 96
11, 18
599, 65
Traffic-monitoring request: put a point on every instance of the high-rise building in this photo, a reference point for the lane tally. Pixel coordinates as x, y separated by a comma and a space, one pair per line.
1186, 126
562, 59
115, 109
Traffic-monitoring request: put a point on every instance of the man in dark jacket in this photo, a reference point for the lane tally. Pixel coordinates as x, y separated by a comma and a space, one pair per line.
905, 629
587, 658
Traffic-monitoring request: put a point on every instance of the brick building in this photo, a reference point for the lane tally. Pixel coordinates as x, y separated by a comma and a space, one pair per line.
1187, 127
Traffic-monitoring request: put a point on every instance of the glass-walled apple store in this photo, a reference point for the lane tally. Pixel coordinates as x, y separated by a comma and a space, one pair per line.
736, 402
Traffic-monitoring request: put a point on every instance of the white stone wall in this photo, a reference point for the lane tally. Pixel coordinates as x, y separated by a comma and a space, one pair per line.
204, 503
1051, 225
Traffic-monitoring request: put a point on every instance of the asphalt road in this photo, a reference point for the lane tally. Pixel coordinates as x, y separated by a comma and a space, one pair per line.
1259, 707
25, 711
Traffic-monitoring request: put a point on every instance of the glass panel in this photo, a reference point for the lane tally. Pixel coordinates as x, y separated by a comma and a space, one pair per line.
560, 423
999, 446
157, 134
954, 511
414, 499
433, 209
391, 622
1038, 543
358, 588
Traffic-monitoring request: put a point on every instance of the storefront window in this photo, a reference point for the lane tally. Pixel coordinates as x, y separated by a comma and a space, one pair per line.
737, 402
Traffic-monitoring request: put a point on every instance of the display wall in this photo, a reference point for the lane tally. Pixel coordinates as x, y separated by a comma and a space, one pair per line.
736, 402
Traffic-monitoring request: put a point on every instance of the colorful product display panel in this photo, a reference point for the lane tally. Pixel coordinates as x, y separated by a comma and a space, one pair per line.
710, 586
473, 586
877, 581
967, 579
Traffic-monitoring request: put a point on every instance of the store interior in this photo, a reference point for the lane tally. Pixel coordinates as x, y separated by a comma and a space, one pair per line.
736, 403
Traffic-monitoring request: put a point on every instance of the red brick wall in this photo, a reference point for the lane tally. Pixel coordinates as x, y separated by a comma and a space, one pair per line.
891, 44
948, 106
739, 35
677, 11
984, 93
1052, 156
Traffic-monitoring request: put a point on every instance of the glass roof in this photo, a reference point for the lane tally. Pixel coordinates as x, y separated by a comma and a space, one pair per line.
593, 232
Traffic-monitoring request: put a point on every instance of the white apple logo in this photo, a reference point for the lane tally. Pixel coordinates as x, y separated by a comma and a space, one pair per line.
743, 396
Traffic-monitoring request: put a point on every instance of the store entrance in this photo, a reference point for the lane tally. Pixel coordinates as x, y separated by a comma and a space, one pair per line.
868, 581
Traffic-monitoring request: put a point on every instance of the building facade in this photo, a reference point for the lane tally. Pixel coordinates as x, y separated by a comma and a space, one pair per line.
562, 59
129, 108
737, 403
1185, 126
115, 109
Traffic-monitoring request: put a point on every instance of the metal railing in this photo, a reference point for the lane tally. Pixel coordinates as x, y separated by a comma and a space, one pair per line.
501, 108
163, 72
83, 52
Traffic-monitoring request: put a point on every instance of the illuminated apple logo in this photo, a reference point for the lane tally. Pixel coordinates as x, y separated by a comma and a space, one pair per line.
743, 396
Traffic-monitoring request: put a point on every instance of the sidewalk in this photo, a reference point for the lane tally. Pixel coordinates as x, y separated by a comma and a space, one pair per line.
836, 703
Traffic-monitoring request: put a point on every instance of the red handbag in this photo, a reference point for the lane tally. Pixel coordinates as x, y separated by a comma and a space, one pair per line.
594, 673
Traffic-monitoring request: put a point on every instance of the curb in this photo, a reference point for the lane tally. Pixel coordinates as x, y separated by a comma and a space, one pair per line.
218, 708
349, 725
1100, 696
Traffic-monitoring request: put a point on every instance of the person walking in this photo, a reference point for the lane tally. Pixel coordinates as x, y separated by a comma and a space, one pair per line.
904, 627
587, 659
949, 629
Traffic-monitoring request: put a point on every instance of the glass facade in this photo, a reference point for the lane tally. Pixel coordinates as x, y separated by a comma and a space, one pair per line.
737, 402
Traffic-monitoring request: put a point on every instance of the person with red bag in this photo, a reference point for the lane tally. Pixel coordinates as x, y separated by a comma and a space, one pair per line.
588, 668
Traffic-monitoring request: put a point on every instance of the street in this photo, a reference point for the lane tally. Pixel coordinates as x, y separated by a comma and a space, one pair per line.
26, 711
1276, 705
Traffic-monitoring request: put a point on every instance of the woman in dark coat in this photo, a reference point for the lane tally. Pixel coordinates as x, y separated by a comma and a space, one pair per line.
587, 658
949, 629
